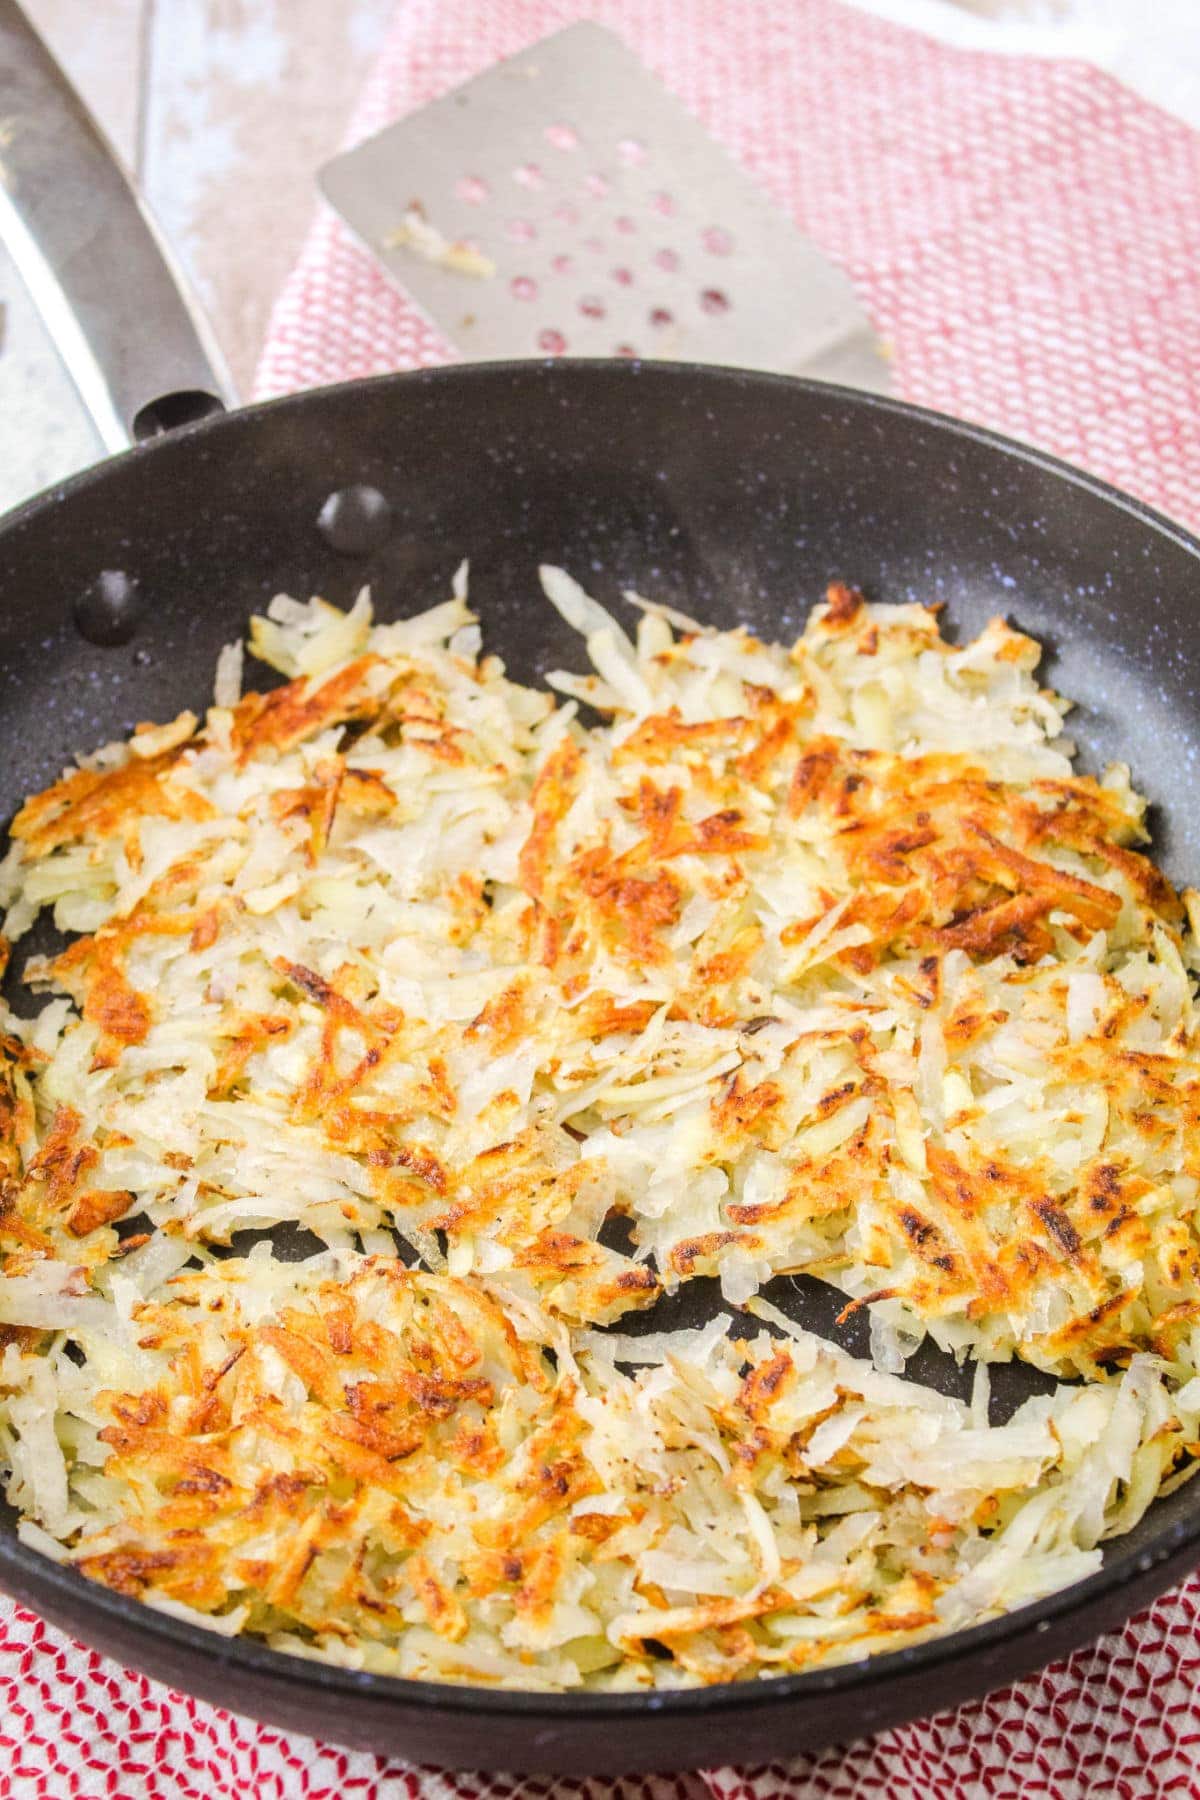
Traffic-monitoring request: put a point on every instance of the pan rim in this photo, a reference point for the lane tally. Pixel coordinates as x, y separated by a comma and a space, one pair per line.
38, 1574
253, 1657
631, 369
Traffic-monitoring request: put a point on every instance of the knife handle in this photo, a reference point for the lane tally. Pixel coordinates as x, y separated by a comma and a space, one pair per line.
108, 290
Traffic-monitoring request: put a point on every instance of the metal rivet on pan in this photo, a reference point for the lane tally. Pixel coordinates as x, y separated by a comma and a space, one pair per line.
355, 520
109, 609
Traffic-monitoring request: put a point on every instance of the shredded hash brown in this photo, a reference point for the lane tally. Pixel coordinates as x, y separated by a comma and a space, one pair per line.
816, 960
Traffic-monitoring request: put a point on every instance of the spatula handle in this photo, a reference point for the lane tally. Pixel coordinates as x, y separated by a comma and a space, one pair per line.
108, 290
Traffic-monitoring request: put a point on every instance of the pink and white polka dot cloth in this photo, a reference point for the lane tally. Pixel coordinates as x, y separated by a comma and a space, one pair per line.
1027, 236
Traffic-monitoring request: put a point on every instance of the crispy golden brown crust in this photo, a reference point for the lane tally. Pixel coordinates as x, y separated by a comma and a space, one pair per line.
778, 967
391, 1455
927, 854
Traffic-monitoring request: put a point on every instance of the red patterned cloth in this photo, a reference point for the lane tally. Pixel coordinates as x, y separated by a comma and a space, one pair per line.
1120, 1721
1027, 236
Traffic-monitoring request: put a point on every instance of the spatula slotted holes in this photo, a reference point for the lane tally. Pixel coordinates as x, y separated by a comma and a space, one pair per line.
578, 140
562, 204
473, 189
563, 137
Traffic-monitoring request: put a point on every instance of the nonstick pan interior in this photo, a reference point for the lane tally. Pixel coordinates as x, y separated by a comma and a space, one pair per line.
736, 497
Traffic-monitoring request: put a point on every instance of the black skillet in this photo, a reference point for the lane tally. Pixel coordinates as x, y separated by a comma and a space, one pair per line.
736, 497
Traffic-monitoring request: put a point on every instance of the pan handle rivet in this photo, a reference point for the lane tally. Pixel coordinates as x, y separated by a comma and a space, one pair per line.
355, 520
109, 610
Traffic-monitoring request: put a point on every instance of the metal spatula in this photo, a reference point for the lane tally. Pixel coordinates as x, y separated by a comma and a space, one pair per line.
564, 203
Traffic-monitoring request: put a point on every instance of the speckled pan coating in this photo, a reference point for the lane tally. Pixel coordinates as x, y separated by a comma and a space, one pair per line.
737, 497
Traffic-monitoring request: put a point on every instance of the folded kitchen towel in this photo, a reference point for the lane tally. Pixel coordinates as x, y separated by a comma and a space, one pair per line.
1026, 234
